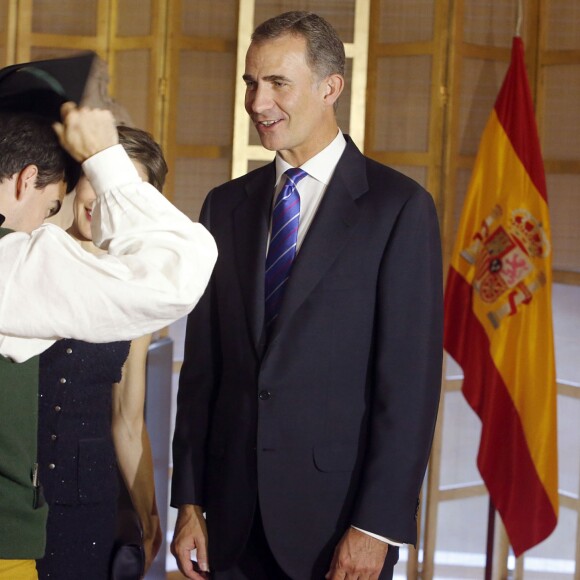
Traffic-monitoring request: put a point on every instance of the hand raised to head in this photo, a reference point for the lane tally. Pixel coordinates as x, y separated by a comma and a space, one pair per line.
84, 132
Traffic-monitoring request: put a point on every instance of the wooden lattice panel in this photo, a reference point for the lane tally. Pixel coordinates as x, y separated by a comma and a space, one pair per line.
489, 23
69, 17
564, 199
401, 123
561, 115
562, 22
209, 19
340, 13
204, 106
134, 18
7, 32
132, 76
194, 178
199, 113
406, 21
481, 80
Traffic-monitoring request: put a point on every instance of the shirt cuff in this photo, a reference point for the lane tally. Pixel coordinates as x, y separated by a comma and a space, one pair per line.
381, 538
109, 169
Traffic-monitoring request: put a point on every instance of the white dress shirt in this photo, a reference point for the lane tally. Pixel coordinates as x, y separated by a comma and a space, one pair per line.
311, 188
156, 268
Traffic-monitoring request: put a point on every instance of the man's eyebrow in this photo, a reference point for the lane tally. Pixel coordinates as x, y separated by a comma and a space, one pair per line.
269, 78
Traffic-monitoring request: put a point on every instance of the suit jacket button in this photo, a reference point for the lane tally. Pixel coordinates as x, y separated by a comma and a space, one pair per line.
264, 395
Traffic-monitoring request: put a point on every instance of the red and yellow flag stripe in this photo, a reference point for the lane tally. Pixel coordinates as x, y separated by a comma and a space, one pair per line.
498, 319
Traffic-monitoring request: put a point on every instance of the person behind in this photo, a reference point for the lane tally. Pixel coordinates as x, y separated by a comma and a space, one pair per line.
309, 390
156, 267
93, 421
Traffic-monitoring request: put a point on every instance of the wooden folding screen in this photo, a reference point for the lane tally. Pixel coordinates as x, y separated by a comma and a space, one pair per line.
200, 75
422, 77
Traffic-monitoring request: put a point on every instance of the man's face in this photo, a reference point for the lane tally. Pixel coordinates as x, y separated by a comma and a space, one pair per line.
286, 101
25, 205
41, 204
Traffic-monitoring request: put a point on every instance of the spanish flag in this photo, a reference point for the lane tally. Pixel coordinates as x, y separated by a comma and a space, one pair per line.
498, 317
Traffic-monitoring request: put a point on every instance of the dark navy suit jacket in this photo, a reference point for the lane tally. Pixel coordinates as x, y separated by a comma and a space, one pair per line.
330, 422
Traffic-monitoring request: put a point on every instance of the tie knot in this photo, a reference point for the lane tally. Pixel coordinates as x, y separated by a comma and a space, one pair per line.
295, 174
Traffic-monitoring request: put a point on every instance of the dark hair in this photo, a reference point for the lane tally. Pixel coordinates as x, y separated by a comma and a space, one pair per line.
141, 147
27, 139
324, 49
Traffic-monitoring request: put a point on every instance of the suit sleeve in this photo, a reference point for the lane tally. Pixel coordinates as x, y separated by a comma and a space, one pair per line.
406, 374
194, 399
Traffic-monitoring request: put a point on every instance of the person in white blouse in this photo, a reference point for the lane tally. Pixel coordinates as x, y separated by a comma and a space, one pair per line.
156, 266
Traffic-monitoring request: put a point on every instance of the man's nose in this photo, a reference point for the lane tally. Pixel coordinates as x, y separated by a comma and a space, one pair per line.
260, 99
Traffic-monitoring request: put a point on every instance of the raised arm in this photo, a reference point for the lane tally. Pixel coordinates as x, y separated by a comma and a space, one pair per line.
156, 269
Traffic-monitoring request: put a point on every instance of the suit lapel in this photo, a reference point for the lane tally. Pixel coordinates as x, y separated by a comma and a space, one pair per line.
328, 234
251, 222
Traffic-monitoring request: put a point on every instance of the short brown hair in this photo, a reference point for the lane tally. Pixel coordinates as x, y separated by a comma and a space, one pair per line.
28, 139
324, 49
141, 147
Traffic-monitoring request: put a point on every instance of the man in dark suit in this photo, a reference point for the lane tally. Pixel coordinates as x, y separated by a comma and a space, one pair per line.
307, 403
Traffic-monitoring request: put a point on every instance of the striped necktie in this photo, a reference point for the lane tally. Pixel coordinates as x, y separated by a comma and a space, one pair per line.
282, 249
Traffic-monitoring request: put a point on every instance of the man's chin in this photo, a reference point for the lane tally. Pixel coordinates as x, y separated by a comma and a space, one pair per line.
267, 143
269, 139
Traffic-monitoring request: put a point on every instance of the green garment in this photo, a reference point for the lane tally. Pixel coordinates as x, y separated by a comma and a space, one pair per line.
22, 509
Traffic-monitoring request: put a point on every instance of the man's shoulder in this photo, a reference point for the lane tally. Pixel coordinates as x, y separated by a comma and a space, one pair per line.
224, 198
253, 178
380, 177
380, 172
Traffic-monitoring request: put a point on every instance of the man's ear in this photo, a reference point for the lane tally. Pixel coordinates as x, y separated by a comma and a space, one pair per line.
26, 180
333, 86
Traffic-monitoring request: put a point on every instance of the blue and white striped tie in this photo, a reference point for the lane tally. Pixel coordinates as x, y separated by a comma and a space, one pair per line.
282, 249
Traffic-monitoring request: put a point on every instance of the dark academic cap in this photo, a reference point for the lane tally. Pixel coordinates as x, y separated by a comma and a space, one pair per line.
42, 86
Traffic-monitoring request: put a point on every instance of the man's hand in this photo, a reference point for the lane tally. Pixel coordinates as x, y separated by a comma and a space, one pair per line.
190, 533
357, 556
84, 132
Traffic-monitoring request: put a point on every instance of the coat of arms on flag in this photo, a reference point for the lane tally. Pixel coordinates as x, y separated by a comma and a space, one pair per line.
504, 253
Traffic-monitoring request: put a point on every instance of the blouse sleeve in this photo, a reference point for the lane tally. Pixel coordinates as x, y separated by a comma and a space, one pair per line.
156, 268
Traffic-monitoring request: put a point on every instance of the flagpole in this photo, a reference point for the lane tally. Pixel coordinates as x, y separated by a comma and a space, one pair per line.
519, 18
490, 540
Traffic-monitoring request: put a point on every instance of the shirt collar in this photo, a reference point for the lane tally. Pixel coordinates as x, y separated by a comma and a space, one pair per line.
322, 165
